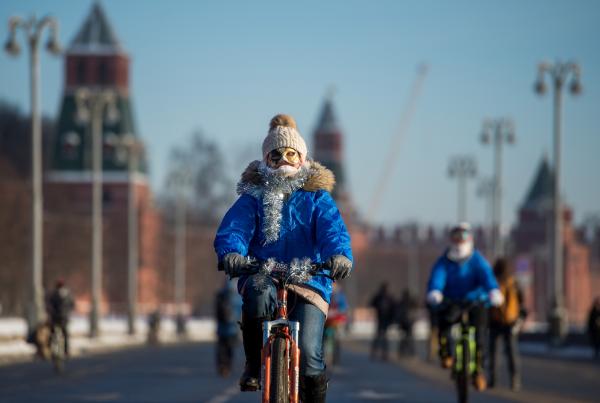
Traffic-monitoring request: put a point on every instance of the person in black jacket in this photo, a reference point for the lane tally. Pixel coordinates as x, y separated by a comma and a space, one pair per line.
406, 316
384, 305
59, 306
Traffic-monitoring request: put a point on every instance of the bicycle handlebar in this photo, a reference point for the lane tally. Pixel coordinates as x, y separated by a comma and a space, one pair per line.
253, 266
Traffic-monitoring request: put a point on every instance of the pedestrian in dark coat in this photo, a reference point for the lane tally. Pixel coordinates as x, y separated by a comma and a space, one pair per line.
505, 323
406, 315
593, 327
384, 306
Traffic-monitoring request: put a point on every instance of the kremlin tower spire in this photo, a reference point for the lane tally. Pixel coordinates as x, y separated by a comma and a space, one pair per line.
329, 148
95, 60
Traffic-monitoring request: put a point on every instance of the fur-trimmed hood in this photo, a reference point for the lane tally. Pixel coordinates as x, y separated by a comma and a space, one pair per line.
318, 177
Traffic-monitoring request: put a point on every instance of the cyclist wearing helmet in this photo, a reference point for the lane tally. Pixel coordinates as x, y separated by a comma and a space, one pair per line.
285, 211
462, 274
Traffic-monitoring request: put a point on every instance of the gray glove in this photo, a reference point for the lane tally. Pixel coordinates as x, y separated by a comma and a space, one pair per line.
340, 266
233, 264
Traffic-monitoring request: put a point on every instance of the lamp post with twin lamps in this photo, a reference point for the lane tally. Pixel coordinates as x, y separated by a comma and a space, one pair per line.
462, 168
130, 149
91, 108
497, 132
559, 73
33, 29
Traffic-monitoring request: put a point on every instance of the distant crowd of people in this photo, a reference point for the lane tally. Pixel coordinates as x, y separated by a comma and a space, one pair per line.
390, 311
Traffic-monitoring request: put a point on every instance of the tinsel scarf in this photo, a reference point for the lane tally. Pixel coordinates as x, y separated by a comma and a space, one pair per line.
273, 190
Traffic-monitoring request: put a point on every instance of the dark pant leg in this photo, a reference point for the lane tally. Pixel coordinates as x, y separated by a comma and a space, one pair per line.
259, 298
63, 327
258, 304
478, 319
312, 323
221, 351
445, 322
493, 341
511, 351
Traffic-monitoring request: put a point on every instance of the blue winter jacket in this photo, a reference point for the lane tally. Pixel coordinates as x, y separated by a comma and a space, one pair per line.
471, 279
311, 226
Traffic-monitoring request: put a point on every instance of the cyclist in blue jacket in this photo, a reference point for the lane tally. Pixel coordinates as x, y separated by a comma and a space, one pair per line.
462, 274
285, 211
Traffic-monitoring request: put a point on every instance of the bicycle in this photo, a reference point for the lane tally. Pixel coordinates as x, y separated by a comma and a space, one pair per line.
465, 351
57, 348
280, 358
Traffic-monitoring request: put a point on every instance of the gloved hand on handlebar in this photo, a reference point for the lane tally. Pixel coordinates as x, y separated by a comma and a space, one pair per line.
496, 297
434, 297
233, 264
340, 266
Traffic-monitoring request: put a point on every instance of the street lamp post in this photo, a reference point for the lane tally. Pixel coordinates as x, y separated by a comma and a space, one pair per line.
497, 132
91, 107
559, 73
33, 29
485, 190
134, 149
182, 182
462, 168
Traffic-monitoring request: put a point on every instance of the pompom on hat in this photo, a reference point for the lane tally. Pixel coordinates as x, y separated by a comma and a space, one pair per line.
283, 132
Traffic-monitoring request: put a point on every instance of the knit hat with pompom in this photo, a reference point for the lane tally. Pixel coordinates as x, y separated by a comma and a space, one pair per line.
284, 133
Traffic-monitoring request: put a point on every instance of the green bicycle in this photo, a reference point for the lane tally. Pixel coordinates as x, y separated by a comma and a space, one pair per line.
465, 350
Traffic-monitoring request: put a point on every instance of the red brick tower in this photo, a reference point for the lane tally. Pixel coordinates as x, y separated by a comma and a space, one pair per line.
95, 60
329, 150
531, 237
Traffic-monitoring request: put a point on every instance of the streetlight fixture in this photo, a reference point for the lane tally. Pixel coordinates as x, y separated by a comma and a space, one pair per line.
462, 168
559, 73
33, 30
497, 132
133, 149
91, 108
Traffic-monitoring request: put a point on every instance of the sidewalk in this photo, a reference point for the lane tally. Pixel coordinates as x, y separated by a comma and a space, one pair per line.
113, 336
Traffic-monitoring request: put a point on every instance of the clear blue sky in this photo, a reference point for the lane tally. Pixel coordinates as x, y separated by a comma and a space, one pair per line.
227, 67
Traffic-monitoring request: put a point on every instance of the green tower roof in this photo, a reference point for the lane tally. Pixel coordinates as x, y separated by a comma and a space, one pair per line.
96, 35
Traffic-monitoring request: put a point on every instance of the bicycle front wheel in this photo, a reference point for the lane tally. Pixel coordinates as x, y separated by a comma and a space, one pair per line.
280, 381
57, 348
462, 370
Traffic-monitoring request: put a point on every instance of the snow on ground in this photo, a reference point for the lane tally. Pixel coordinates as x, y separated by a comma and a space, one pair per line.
113, 335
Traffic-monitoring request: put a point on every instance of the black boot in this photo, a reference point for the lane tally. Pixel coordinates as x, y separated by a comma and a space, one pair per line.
313, 389
252, 334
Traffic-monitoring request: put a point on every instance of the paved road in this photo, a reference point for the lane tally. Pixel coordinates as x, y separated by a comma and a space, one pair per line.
547, 379
185, 373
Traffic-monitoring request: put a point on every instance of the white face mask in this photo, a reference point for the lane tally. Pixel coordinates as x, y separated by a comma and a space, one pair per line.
460, 251
284, 170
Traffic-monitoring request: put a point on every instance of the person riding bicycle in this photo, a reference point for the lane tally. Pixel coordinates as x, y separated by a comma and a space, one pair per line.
59, 306
462, 274
285, 211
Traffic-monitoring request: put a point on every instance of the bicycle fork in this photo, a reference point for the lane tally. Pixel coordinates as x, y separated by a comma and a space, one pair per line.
290, 331
472, 364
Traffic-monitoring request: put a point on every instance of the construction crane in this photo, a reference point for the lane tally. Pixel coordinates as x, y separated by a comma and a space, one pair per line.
394, 149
